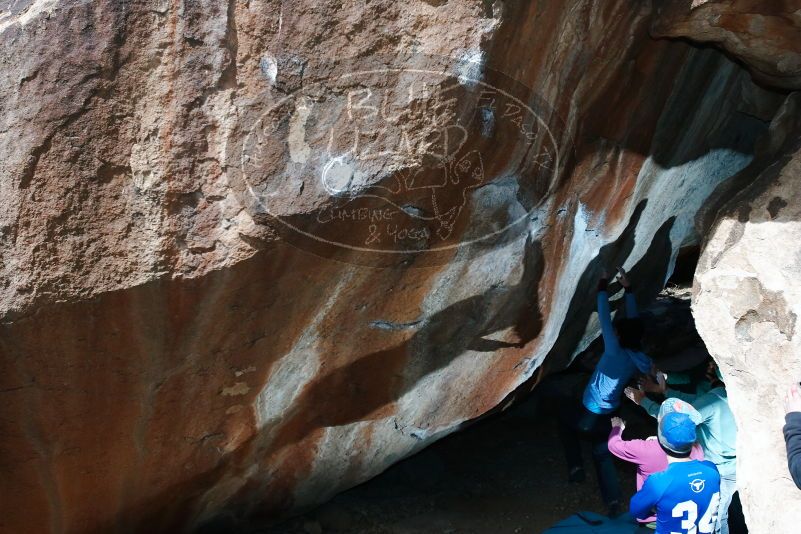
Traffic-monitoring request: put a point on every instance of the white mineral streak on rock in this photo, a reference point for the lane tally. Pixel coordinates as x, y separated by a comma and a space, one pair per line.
298, 366
269, 68
299, 149
679, 192
469, 67
422, 417
487, 280
35, 9
293, 371
585, 243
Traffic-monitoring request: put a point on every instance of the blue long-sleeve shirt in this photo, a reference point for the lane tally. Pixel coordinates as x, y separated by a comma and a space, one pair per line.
717, 432
617, 364
685, 497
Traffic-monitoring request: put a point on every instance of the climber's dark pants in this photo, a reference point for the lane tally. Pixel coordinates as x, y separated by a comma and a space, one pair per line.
576, 423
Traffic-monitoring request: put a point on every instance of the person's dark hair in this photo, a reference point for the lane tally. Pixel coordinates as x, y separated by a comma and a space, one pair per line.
674, 454
630, 332
713, 374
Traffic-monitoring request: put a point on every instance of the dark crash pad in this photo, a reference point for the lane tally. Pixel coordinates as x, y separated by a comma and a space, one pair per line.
592, 523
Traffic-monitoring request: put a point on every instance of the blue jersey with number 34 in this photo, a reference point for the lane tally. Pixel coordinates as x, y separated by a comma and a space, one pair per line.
686, 497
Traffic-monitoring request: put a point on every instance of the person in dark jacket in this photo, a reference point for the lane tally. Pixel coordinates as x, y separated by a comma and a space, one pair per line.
792, 432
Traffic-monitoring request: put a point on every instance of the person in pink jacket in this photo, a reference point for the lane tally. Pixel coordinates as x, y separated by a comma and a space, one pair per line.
647, 454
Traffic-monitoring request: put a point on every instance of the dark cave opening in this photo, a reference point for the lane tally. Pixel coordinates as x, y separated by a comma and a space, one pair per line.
684, 270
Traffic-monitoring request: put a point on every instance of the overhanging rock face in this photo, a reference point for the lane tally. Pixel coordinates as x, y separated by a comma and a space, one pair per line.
253, 253
763, 35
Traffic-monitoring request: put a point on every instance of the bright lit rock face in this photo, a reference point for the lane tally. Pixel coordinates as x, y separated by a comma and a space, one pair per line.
234, 282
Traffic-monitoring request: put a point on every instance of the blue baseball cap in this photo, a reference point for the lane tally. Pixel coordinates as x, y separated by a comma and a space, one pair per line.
677, 432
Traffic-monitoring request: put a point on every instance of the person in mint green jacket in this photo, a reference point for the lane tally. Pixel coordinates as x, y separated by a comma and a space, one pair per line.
717, 432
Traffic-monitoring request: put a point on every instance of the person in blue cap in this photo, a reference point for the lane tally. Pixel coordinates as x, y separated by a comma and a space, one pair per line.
685, 495
717, 432
647, 454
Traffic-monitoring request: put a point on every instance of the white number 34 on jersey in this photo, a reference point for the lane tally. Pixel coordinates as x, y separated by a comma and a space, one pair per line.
688, 511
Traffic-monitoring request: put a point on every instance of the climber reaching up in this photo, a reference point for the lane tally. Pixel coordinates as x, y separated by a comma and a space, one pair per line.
621, 359
622, 356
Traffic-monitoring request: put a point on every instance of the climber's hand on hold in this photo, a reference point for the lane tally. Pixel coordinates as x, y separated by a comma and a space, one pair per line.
792, 402
661, 381
711, 372
623, 278
654, 386
617, 422
634, 395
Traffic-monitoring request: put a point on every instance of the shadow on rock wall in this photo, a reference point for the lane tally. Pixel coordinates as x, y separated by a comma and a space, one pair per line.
647, 277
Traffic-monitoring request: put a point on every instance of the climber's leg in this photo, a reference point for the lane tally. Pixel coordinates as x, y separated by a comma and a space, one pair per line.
728, 485
605, 466
571, 442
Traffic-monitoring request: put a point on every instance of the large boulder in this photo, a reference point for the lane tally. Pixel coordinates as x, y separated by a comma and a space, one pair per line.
216, 299
747, 307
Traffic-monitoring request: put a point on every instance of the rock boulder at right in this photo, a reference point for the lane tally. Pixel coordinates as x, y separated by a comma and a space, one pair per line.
747, 305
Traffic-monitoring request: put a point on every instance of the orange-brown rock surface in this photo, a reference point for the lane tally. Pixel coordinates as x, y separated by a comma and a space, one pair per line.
255, 252
764, 34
